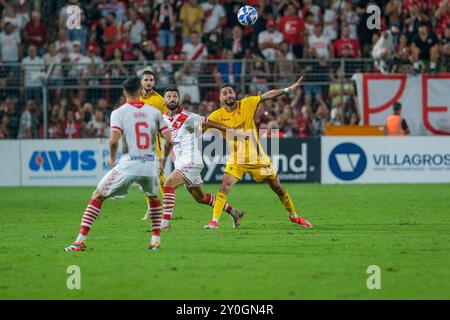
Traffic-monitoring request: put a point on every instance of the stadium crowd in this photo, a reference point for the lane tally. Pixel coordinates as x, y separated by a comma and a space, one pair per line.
414, 38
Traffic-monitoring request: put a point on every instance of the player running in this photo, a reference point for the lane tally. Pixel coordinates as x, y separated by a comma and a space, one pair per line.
138, 124
247, 155
186, 128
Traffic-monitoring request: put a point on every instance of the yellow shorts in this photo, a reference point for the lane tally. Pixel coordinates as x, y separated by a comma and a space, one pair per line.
259, 172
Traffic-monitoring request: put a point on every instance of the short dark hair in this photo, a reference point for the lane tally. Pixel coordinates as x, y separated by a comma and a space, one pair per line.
171, 89
397, 106
132, 85
148, 73
225, 85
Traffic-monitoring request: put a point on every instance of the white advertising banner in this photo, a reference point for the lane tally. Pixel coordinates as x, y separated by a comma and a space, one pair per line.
63, 162
425, 99
10, 158
385, 159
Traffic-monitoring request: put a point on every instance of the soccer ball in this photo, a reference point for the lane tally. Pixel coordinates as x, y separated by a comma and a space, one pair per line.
247, 15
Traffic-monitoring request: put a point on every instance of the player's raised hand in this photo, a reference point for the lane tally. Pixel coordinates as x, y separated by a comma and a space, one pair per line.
296, 85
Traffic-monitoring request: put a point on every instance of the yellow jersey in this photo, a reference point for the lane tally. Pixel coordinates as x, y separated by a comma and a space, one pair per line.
157, 101
248, 150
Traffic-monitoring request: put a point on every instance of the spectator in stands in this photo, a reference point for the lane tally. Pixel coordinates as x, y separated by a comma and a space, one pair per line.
336, 117
309, 24
187, 82
63, 45
65, 13
269, 41
54, 126
214, 16
117, 8
424, 47
395, 124
76, 58
293, 28
350, 113
194, 49
18, 21
97, 126
402, 61
9, 108
163, 69
56, 76
305, 122
445, 46
80, 34
260, 72
393, 12
442, 15
330, 18
321, 43
231, 9
191, 16
351, 18
320, 118
136, 28
36, 32
28, 123
413, 17
341, 89
286, 66
116, 68
360, 21
230, 71
237, 44
10, 44
33, 68
71, 127
384, 49
4, 130
308, 6
165, 17
211, 93
345, 40
314, 71
111, 34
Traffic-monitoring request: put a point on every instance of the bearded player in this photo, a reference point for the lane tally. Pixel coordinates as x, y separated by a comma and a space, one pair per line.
186, 128
247, 155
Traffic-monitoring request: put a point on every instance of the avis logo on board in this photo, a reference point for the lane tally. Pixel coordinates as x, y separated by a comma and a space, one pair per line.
58, 160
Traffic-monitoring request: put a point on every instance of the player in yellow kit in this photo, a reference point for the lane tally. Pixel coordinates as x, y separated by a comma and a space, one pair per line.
247, 155
154, 99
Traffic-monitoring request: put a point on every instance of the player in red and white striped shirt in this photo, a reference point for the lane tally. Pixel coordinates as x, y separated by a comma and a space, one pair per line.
186, 128
138, 124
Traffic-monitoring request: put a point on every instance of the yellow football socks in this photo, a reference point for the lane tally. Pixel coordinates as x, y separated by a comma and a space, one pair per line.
221, 200
162, 181
287, 202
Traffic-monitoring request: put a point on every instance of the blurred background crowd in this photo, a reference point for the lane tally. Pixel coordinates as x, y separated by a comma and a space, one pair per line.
199, 45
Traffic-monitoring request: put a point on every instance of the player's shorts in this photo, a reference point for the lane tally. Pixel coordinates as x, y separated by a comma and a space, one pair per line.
192, 175
259, 172
116, 184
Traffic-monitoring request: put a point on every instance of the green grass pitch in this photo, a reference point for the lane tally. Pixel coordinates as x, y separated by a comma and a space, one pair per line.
404, 229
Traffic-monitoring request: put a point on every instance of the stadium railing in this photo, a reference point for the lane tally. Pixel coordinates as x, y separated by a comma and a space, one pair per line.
104, 80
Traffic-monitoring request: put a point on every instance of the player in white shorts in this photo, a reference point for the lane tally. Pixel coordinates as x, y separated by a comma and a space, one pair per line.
186, 128
138, 125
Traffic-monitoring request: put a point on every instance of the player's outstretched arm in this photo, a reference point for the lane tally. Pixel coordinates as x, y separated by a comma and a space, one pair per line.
272, 94
113, 146
208, 124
